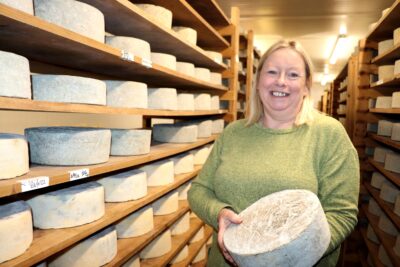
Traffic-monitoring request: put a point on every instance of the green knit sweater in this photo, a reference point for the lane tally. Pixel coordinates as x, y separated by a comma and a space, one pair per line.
248, 163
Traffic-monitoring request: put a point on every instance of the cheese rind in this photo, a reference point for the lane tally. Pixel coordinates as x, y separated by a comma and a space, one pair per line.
397, 67
397, 206
392, 162
69, 89
135, 46
386, 72
216, 78
187, 34
130, 142
23, 5
385, 46
163, 98
161, 245
182, 225
186, 68
14, 158
216, 56
73, 15
215, 102
165, 60
218, 126
202, 102
396, 247
202, 74
201, 255
396, 132
185, 101
68, 145
389, 192
396, 100
200, 155
378, 180
183, 163
16, 229
374, 208
159, 173
386, 225
132, 262
183, 254
167, 204
126, 94
68, 207
385, 127
162, 15
183, 190
383, 102
14, 76
175, 133
396, 37
380, 153
136, 224
198, 236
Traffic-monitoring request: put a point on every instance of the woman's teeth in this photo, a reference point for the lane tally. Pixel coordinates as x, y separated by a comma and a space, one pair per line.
277, 93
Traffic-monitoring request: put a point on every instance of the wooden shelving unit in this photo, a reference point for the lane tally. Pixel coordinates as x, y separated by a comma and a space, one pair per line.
212, 12
372, 248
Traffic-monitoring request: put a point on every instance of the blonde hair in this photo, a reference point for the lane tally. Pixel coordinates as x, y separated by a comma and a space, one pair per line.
256, 107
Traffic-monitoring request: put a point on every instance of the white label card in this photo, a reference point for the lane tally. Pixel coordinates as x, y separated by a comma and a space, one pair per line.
127, 56
78, 174
147, 63
34, 183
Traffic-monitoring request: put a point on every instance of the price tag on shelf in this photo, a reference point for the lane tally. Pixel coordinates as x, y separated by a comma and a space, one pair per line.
147, 63
127, 56
34, 183
78, 174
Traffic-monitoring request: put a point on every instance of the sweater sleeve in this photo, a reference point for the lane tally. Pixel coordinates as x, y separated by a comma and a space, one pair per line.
201, 196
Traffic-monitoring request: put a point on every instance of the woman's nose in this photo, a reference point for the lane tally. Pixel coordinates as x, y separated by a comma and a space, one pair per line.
281, 78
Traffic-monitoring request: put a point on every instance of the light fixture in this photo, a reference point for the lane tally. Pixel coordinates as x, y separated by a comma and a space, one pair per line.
340, 44
324, 78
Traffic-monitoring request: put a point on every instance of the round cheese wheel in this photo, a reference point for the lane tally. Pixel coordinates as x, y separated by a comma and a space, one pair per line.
126, 94
216, 56
383, 102
16, 229
396, 132
135, 46
182, 225
218, 126
200, 155
132, 262
185, 101
136, 224
14, 158
182, 255
125, 186
383, 257
165, 60
183, 163
201, 255
68, 207
167, 204
280, 229
183, 191
397, 67
23, 5
160, 14
73, 15
159, 173
385, 46
163, 98
160, 246
202, 102
396, 36
203, 74
187, 34
69, 89
175, 133
385, 127
215, 102
68, 145
130, 142
389, 191
392, 162
186, 68
371, 235
374, 208
14, 76
198, 236
380, 153
96, 250
386, 72
216, 78
396, 100
378, 180
386, 225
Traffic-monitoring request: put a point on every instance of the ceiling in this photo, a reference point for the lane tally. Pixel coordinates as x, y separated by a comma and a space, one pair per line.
315, 24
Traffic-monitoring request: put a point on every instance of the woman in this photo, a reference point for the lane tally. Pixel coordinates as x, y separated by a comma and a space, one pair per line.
284, 144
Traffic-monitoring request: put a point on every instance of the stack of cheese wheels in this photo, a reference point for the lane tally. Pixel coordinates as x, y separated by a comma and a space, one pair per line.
216, 56
214, 102
159, 173
201, 255
125, 186
185, 101
198, 236
280, 229
16, 229
383, 257
202, 101
385, 46
162, 15
69, 89
396, 132
175, 133
130, 142
132, 262
380, 153
371, 235
163, 98
14, 76
182, 225
135, 46
200, 155
73, 15
68, 145
378, 180
397, 67
392, 162
136, 224
167, 204
218, 126
374, 208
183, 163
187, 34
183, 191
396, 98
160, 246
126, 94
386, 72
216, 78
383, 102
385, 127
203, 74
23, 5
165, 60
182, 255
186, 68
14, 158
68, 207
386, 225
96, 250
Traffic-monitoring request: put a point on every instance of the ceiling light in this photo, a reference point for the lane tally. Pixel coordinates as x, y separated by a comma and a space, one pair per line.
340, 44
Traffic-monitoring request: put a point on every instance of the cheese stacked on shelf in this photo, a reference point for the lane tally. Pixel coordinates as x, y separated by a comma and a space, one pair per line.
216, 56
396, 100
201, 154
378, 180
385, 72
14, 157
182, 225
186, 68
167, 204
392, 162
218, 126
160, 14
396, 132
385, 127
397, 67
187, 34
183, 163
371, 235
183, 190
380, 153
23, 5
203, 74
160, 246
130, 142
159, 173
175, 133
134, 46
165, 60
374, 208
198, 236
214, 102
396, 37
182, 255
163, 98
202, 101
185, 101
216, 78
386, 225
201, 255
136, 224
383, 102
126, 94
389, 191
132, 262
385, 46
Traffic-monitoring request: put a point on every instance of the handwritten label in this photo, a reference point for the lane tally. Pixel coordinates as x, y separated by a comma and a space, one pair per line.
127, 56
78, 174
34, 183
147, 63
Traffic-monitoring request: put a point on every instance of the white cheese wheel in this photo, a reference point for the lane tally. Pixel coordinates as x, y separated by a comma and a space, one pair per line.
186, 68
167, 204
183, 191
386, 225
183, 163
378, 180
130, 142
396, 36
280, 229
162, 15
182, 225
68, 207
380, 153
198, 236
371, 235
202, 102
384, 102
200, 155
374, 208
397, 206
160, 246
175, 133
203, 74
396, 132
126, 94
183, 254
96, 250
163, 98
385, 127
23, 5
68, 145
69, 89
396, 100
386, 72
159, 173
74, 16
216, 56
132, 262
14, 76
389, 192
218, 126
214, 102
165, 60
187, 34
185, 101
397, 67
383, 257
201, 255
216, 78
135, 46
16, 229
396, 247
136, 224
124, 186
204, 127
392, 162
14, 158
385, 46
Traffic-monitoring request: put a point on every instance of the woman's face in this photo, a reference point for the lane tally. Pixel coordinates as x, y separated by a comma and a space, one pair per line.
282, 84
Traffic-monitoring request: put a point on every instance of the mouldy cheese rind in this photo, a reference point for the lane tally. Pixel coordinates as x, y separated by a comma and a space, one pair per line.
136, 224
160, 14
389, 191
135, 46
380, 153
378, 180
385, 127
130, 142
126, 94
386, 225
14, 76
73, 15
23, 5
14, 158
68, 145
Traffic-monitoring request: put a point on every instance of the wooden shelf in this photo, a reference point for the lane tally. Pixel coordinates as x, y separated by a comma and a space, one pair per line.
48, 242
395, 82
211, 11
178, 242
385, 140
8, 103
385, 110
386, 240
372, 248
388, 57
384, 28
59, 175
392, 176
342, 101
344, 88
29, 36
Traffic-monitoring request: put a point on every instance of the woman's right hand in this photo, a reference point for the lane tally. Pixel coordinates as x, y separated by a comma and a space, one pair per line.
225, 218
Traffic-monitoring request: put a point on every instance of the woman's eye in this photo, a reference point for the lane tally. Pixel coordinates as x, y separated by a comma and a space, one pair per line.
293, 75
272, 72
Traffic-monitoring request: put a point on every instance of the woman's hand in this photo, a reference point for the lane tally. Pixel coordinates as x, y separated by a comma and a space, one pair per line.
225, 218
